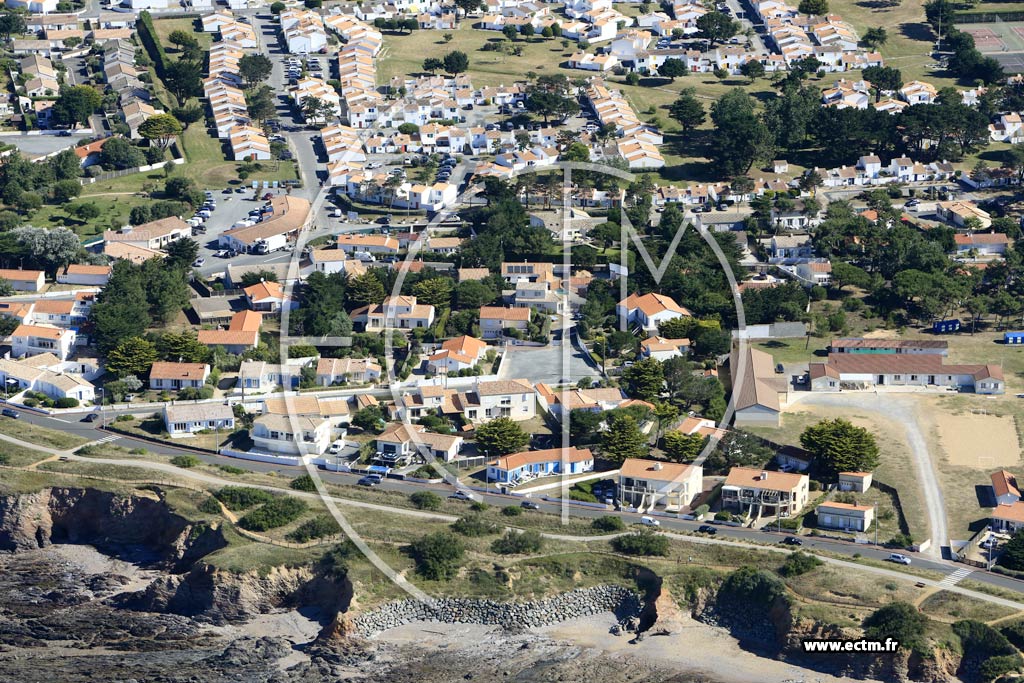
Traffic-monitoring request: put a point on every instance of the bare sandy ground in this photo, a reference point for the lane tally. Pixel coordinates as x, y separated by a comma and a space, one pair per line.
704, 651
977, 440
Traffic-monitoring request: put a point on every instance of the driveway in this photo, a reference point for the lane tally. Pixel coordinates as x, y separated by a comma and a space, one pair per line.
899, 409
546, 364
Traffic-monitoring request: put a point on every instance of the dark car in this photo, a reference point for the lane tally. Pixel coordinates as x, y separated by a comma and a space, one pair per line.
383, 220
11, 413
792, 540
779, 369
91, 417
239, 190
707, 529
64, 134
529, 505
369, 480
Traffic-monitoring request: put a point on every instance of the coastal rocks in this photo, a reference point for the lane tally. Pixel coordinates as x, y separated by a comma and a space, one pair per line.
512, 616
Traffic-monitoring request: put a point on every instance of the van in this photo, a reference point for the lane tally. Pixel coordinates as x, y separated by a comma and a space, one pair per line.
649, 521
364, 256
899, 558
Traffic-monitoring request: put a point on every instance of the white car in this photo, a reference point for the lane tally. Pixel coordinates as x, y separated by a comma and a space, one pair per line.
899, 558
649, 521
199, 262
336, 447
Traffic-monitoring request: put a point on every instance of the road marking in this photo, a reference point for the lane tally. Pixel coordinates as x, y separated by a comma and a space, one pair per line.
106, 439
956, 577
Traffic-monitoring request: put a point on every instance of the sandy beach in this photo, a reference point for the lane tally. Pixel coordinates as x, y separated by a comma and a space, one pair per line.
705, 652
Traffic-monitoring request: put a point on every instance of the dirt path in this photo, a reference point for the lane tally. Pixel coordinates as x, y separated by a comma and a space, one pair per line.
895, 407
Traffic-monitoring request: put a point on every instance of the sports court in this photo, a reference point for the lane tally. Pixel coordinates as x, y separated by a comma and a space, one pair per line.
1001, 40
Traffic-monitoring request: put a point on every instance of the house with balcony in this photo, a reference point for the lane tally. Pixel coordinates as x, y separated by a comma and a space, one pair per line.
518, 468
397, 312
46, 374
514, 399
185, 419
760, 493
651, 484
257, 376
455, 355
662, 348
32, 340
297, 435
399, 444
174, 376
596, 399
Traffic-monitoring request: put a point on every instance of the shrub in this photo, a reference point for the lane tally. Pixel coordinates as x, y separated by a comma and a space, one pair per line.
518, 543
185, 461
425, 472
900, 621
231, 469
799, 563
474, 525
1015, 634
643, 542
701, 511
900, 541
210, 506
66, 402
31, 402
318, 527
124, 418
994, 667
511, 511
276, 513
426, 500
303, 483
981, 641
438, 555
478, 506
242, 497
608, 523
748, 589
723, 516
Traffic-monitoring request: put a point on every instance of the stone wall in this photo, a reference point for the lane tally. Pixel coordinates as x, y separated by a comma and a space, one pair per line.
581, 602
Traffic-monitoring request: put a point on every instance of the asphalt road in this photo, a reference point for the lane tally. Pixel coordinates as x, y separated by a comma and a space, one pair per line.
90, 431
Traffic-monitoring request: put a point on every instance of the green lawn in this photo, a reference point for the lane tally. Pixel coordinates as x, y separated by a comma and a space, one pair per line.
47, 438
164, 28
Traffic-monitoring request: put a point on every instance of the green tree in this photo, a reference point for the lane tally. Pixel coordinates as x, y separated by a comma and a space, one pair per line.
254, 68
161, 128
75, 104
54, 248
438, 555
468, 6
133, 356
66, 190
435, 291
687, 110
181, 346
12, 23
813, 7
683, 447
518, 543
182, 253
432, 65
456, 62
672, 69
501, 436
183, 79
86, 211
840, 446
181, 38
645, 380
740, 137
623, 438
1013, 553
368, 418
716, 27
426, 500
364, 290
900, 621
65, 165
644, 542
188, 114
875, 37
119, 154
752, 69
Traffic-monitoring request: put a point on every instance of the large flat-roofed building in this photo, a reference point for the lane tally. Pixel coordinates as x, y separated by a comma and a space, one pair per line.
895, 346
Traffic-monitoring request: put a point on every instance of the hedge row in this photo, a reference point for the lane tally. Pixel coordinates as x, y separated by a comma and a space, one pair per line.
147, 34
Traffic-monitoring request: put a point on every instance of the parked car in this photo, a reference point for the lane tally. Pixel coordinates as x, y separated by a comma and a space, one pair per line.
780, 369
370, 480
336, 447
460, 495
199, 262
649, 521
899, 558
11, 413
792, 540
91, 417
707, 529
529, 505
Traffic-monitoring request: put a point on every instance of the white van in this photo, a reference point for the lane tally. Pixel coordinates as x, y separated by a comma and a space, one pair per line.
649, 521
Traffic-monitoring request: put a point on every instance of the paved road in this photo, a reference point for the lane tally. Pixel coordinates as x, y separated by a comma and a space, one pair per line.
951, 573
896, 407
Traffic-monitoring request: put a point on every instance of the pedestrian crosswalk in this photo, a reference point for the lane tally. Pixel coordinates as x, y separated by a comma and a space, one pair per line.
955, 578
106, 439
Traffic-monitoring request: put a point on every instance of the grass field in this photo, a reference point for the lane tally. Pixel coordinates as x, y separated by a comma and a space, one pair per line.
41, 436
164, 28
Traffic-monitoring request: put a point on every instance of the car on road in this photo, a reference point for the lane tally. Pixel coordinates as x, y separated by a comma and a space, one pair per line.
649, 521
221, 253
369, 480
91, 417
899, 558
912, 202
707, 529
460, 495
11, 413
227, 190
64, 134
239, 190
199, 262
792, 540
267, 196
383, 220
780, 369
529, 505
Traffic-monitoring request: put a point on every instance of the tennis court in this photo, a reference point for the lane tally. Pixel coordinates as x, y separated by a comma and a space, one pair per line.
1001, 40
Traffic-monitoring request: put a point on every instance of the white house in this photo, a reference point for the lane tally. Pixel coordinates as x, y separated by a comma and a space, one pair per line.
648, 310
399, 443
662, 349
514, 399
844, 516
185, 419
461, 353
397, 312
174, 376
296, 435
32, 340
494, 320
330, 371
648, 484
1004, 487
